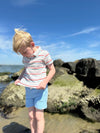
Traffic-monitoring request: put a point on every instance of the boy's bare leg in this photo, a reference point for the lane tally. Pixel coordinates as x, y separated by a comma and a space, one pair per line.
40, 120
32, 118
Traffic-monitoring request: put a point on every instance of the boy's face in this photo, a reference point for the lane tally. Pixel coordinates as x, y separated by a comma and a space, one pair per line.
26, 51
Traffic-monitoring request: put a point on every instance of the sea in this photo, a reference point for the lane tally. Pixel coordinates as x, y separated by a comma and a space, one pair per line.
8, 68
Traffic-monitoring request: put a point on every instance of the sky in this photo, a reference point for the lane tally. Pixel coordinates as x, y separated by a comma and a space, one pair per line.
68, 29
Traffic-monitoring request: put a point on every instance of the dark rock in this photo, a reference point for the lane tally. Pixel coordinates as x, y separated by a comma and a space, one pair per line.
84, 93
58, 63
17, 74
71, 66
97, 72
90, 106
4, 73
98, 130
5, 78
59, 71
87, 131
86, 67
88, 71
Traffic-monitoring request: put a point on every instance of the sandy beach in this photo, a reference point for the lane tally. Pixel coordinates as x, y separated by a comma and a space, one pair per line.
54, 123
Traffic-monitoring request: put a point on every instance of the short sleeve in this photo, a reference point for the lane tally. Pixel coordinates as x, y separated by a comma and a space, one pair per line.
47, 58
23, 60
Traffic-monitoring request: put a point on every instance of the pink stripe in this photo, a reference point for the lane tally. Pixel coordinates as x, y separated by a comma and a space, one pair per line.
48, 61
35, 73
40, 55
35, 61
28, 85
46, 55
34, 79
36, 67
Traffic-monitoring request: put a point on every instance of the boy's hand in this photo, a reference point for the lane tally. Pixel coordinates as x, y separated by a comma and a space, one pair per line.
17, 81
42, 85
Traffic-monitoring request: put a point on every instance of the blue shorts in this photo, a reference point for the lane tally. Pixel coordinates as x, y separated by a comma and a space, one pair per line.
36, 97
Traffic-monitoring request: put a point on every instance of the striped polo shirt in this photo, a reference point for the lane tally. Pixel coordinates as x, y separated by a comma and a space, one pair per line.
35, 68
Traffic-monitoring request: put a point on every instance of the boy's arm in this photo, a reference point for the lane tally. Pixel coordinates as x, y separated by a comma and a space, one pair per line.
21, 74
19, 78
50, 75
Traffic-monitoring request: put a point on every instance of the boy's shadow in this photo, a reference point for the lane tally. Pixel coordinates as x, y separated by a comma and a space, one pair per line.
15, 128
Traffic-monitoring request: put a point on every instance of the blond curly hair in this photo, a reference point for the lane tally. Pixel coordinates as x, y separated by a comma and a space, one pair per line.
21, 39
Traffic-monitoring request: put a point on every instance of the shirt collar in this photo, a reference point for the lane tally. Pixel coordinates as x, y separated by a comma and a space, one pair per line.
36, 53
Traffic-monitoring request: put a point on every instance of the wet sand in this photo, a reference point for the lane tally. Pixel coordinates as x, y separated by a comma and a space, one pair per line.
54, 123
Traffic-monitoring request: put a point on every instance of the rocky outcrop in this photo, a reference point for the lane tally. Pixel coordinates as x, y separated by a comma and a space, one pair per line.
58, 63
85, 67
59, 71
64, 94
90, 106
88, 71
5, 78
4, 73
90, 131
88, 67
67, 94
71, 67
17, 74
13, 96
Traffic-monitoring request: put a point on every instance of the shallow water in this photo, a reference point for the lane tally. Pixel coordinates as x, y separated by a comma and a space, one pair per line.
68, 123
54, 123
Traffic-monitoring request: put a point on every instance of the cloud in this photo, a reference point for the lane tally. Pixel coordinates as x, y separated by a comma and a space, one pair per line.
5, 44
84, 31
7, 55
54, 47
23, 2
40, 42
76, 54
95, 44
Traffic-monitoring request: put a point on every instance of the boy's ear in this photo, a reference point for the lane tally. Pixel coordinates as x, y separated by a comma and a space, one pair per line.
32, 44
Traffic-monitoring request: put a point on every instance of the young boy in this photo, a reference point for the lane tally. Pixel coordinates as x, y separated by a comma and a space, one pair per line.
34, 77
